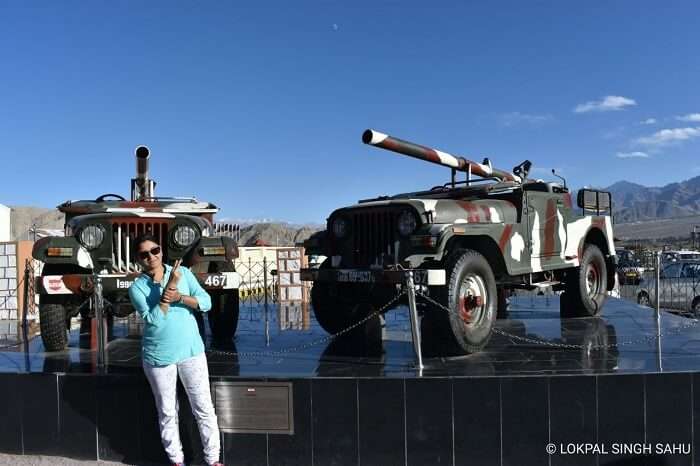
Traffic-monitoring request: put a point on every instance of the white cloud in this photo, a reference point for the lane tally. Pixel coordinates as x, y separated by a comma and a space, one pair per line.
669, 136
632, 155
648, 121
607, 104
689, 117
515, 118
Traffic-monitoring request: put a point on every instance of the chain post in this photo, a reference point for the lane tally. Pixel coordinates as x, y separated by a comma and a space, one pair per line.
658, 286
415, 329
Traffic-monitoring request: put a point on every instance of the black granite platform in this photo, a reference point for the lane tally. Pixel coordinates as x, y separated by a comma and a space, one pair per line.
361, 400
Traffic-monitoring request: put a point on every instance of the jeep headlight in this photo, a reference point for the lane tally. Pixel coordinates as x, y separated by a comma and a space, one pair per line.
92, 236
339, 227
184, 235
407, 223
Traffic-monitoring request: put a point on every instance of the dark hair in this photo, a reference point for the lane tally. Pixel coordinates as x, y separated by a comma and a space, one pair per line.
142, 238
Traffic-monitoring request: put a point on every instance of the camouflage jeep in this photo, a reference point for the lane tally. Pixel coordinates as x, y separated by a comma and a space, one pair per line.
469, 243
99, 237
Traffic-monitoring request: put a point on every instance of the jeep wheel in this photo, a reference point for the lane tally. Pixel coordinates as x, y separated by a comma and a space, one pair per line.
52, 322
336, 307
472, 297
586, 286
223, 316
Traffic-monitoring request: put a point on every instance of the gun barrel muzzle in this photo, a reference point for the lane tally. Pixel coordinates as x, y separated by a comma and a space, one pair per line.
142, 156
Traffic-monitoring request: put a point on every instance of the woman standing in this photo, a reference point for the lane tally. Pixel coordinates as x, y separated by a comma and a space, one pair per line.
166, 298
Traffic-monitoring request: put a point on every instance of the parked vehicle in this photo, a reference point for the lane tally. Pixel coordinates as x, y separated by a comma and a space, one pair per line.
629, 267
683, 255
679, 287
467, 243
99, 236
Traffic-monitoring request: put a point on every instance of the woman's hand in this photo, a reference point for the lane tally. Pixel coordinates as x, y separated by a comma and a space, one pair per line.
170, 295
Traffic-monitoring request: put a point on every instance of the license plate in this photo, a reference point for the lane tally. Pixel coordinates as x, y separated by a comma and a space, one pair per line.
216, 281
355, 276
631, 274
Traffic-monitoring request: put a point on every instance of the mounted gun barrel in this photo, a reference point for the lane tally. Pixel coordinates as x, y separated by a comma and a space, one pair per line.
377, 139
142, 187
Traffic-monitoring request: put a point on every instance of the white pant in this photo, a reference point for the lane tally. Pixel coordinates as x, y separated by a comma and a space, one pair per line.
194, 375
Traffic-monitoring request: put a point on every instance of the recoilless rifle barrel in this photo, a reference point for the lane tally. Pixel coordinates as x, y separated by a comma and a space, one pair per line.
142, 187
377, 139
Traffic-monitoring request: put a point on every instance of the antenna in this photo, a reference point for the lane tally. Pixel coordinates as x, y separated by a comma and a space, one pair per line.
560, 177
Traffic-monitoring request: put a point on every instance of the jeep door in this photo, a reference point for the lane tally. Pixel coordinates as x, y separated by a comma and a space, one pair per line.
546, 227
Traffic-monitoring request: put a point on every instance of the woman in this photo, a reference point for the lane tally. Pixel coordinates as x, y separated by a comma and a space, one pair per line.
166, 298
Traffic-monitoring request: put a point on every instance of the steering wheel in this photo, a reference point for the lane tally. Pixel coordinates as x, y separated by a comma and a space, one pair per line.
105, 196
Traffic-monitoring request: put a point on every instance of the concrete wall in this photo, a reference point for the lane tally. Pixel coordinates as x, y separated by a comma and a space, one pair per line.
255, 254
13, 257
8, 281
5, 229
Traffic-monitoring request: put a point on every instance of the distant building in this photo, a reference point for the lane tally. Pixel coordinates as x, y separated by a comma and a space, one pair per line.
5, 228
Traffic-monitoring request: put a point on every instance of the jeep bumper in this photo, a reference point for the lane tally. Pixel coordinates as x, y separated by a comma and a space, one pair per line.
431, 277
71, 284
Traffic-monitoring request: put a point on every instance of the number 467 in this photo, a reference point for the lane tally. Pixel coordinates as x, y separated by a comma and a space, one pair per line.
215, 280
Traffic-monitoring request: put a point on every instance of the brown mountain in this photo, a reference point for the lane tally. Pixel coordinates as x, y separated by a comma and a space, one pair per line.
633, 202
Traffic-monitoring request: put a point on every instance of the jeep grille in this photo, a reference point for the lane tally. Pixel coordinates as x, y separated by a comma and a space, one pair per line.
374, 237
123, 236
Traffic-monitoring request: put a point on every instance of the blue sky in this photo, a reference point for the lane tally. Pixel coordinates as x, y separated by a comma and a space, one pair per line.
259, 106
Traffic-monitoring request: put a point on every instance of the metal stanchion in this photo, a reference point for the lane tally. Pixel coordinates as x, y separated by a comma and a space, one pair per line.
99, 315
658, 286
415, 329
658, 311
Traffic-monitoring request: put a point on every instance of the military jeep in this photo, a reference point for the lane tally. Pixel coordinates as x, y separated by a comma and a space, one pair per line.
99, 238
469, 243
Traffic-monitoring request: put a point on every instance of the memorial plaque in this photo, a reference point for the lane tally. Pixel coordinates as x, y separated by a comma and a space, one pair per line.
254, 407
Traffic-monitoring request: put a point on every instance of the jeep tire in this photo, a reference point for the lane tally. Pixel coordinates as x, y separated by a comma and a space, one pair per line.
472, 297
223, 316
53, 325
586, 285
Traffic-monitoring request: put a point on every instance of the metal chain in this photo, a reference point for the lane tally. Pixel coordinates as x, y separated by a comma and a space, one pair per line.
303, 346
537, 341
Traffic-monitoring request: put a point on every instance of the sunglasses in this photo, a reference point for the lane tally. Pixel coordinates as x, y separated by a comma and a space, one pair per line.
143, 255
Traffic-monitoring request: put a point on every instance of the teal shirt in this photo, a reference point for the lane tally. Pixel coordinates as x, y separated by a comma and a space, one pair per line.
173, 337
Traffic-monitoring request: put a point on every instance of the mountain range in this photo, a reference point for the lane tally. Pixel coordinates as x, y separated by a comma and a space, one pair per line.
633, 202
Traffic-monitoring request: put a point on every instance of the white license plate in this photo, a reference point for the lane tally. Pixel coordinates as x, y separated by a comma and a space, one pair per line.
355, 276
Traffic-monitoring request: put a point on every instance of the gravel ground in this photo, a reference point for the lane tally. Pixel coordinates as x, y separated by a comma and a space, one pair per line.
30, 460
